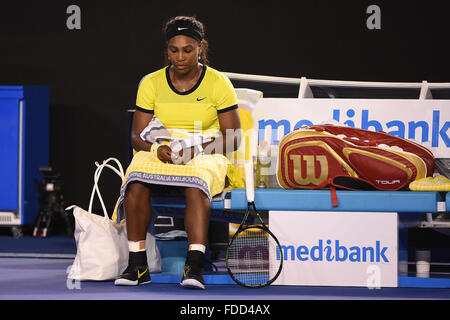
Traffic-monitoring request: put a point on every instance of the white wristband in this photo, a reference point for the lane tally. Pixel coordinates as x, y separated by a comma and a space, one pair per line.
154, 147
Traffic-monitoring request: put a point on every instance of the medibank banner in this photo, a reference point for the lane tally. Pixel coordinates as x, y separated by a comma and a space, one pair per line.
424, 121
337, 248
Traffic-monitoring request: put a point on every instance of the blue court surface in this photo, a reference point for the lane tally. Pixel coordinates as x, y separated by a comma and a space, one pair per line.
36, 269
46, 279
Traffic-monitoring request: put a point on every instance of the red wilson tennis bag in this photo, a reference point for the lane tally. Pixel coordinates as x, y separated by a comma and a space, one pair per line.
321, 156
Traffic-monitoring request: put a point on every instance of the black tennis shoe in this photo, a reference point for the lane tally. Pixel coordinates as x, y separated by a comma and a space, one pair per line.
192, 278
133, 276
193, 271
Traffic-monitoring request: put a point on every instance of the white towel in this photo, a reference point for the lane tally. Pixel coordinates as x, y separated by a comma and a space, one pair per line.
155, 132
178, 139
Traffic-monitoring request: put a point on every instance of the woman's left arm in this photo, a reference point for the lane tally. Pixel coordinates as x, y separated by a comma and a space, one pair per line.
229, 141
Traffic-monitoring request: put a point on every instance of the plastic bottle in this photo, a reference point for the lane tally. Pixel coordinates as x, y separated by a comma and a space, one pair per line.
263, 165
273, 182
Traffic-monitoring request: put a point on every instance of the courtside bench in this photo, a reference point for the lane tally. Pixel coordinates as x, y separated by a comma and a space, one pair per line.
411, 208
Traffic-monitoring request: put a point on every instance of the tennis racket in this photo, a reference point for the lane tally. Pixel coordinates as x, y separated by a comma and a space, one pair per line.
254, 258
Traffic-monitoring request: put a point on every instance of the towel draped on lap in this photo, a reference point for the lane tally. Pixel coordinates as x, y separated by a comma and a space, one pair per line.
177, 139
208, 173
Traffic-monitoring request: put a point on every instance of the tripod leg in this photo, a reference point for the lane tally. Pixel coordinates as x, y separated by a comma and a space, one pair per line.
37, 225
47, 224
40, 222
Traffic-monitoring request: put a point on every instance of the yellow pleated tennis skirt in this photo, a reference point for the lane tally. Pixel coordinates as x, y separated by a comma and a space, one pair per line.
208, 173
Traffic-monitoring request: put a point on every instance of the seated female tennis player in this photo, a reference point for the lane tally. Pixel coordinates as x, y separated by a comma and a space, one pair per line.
185, 95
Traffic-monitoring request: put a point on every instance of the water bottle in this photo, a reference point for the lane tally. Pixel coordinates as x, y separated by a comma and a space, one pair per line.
263, 165
273, 182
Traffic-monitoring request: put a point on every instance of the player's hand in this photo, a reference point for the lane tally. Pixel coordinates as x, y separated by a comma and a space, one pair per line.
165, 154
186, 155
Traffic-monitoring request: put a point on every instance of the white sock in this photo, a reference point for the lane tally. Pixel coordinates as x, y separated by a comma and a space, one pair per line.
198, 247
136, 246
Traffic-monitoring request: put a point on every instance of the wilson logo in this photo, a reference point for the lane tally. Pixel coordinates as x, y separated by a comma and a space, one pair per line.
309, 177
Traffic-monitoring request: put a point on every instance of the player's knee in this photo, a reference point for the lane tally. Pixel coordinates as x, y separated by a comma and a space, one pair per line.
195, 193
136, 191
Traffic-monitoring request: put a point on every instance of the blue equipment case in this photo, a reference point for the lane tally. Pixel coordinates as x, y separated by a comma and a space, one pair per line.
24, 148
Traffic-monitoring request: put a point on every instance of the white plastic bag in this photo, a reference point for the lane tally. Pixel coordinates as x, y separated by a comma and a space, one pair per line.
102, 245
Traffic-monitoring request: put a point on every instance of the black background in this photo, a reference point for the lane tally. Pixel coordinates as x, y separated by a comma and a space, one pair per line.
93, 73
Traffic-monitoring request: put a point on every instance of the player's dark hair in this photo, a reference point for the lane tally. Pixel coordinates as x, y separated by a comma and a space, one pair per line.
196, 30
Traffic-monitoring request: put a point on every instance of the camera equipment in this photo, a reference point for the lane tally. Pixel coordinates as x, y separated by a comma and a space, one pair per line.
51, 200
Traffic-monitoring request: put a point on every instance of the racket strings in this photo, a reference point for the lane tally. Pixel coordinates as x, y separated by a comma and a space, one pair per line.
249, 257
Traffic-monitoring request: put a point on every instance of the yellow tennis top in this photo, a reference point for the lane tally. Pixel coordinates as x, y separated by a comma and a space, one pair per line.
196, 109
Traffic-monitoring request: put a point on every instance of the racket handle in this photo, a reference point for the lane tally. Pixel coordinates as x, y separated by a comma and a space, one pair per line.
249, 184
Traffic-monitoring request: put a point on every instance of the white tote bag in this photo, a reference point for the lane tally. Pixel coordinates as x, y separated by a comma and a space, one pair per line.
102, 245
